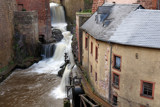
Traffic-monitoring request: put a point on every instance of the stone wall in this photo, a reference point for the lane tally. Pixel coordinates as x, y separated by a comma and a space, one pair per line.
73, 6
148, 4
26, 34
7, 7
43, 9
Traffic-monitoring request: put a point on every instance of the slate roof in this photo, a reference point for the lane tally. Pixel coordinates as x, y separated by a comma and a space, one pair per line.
125, 24
139, 28
102, 26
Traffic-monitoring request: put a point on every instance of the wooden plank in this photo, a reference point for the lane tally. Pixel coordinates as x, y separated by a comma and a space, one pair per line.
89, 102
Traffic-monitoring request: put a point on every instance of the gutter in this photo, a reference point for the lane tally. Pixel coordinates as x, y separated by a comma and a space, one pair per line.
110, 73
158, 2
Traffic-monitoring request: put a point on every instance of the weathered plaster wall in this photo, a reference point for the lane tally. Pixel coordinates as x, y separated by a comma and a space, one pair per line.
101, 66
43, 9
85, 53
137, 64
80, 20
133, 70
7, 7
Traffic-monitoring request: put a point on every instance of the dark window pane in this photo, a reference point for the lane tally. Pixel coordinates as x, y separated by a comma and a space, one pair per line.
147, 89
114, 100
117, 62
116, 79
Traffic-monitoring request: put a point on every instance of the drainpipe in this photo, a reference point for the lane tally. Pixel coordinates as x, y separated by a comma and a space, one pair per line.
88, 52
110, 73
158, 4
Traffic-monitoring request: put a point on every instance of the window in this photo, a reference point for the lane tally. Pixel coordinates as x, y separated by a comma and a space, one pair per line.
116, 79
114, 100
142, 106
96, 53
95, 76
86, 42
117, 62
20, 7
147, 89
91, 68
91, 48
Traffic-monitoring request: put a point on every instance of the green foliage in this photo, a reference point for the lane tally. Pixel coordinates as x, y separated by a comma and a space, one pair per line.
88, 1
28, 58
6, 67
66, 103
24, 9
88, 80
87, 11
3, 69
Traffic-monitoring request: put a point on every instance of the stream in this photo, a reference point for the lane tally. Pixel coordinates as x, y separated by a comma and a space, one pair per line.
39, 85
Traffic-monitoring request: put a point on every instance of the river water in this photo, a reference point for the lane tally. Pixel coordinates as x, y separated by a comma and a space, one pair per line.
39, 85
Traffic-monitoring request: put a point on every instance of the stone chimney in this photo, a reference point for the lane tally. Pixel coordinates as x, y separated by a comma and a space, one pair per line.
96, 4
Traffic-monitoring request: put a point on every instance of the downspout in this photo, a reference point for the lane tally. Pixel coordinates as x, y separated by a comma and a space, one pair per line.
158, 4
110, 73
88, 51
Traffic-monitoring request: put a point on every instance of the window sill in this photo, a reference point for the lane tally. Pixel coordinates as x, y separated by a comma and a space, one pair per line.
116, 69
96, 60
86, 49
148, 97
116, 86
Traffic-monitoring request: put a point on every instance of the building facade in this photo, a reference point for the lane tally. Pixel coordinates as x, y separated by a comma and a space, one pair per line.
122, 61
44, 19
147, 4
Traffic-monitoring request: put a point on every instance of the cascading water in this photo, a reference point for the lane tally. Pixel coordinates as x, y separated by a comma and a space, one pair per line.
53, 64
59, 92
57, 13
47, 50
33, 87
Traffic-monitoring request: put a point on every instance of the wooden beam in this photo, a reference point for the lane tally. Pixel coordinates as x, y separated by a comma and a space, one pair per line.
86, 100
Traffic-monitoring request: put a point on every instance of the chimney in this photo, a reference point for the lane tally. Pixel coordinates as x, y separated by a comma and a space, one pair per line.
96, 4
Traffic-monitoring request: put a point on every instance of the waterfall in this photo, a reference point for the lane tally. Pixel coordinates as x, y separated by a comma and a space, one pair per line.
52, 65
57, 16
48, 50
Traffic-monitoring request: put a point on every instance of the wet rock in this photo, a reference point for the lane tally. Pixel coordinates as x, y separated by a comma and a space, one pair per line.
60, 72
27, 62
57, 35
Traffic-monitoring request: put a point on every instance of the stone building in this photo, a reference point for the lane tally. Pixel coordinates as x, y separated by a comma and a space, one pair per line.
147, 4
7, 8
121, 54
43, 9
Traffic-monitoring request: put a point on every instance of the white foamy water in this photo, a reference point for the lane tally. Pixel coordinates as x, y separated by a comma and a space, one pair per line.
52, 65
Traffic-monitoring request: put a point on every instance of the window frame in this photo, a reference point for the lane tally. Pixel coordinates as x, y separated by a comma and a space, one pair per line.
141, 89
114, 62
96, 53
86, 42
113, 100
115, 86
92, 48
96, 76
91, 69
